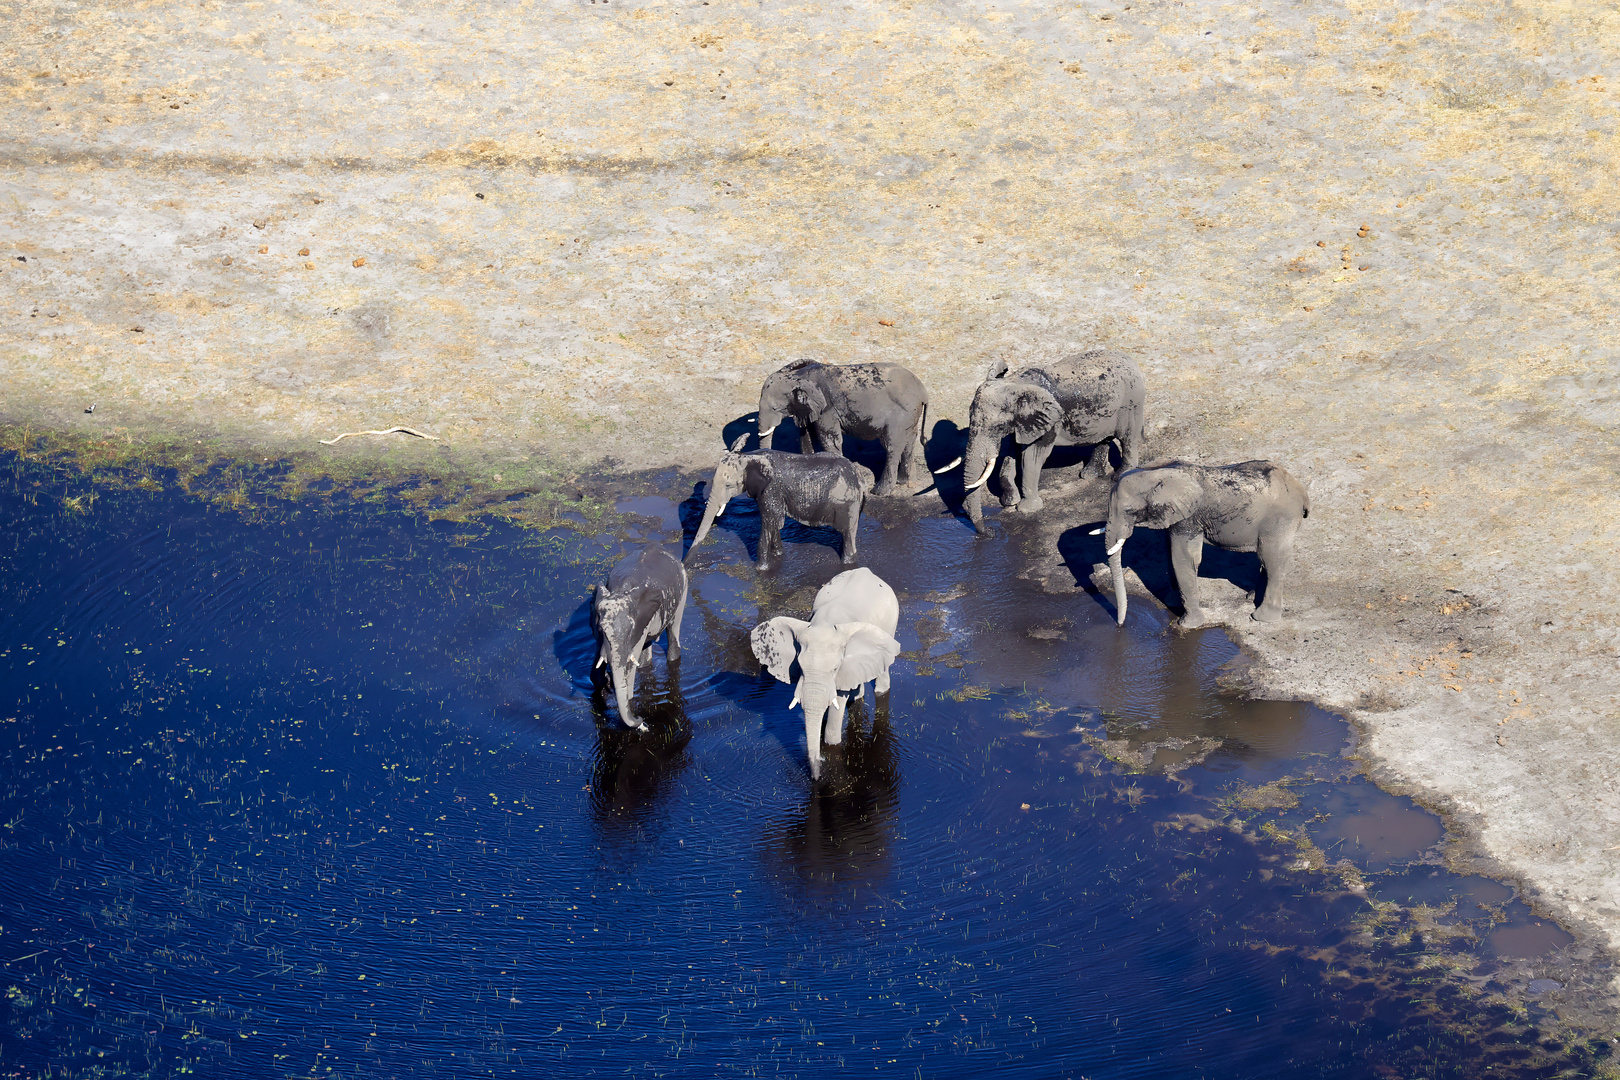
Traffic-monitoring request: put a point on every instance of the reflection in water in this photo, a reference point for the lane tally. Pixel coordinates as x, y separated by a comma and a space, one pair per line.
840, 841
634, 769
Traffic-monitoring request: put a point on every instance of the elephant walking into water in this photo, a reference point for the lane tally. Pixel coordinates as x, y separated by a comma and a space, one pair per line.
884, 402
1092, 399
643, 596
848, 642
1252, 506
817, 489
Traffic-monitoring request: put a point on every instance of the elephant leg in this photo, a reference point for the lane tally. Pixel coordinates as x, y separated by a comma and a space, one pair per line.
834, 735
850, 526
805, 428
1097, 463
1276, 556
910, 441
1186, 554
882, 684
892, 453
831, 437
1008, 477
770, 536
1034, 460
673, 650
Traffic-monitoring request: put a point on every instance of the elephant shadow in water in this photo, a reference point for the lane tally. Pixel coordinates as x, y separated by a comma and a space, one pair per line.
840, 839
634, 771
741, 519
1147, 552
868, 452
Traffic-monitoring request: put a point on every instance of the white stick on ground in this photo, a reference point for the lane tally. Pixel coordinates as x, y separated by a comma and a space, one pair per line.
390, 431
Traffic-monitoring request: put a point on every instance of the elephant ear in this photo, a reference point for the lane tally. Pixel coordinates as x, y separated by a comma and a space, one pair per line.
1034, 413
868, 652
758, 472
1171, 495
776, 646
808, 399
996, 370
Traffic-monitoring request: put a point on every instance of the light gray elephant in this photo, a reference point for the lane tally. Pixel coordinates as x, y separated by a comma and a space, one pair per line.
1092, 399
817, 489
848, 642
1252, 506
884, 402
643, 596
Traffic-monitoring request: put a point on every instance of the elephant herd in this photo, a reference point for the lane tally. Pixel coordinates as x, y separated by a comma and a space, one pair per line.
1094, 399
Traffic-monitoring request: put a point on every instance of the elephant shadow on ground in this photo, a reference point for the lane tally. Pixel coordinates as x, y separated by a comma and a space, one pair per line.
741, 519
1147, 553
840, 839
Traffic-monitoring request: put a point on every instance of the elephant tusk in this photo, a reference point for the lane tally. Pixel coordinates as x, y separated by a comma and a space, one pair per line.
980, 482
600, 660
795, 700
947, 468
766, 433
1096, 532
1115, 549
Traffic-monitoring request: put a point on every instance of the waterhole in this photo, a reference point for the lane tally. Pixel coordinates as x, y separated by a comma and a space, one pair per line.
325, 789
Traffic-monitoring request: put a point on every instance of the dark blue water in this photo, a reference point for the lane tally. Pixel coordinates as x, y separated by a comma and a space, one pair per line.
324, 790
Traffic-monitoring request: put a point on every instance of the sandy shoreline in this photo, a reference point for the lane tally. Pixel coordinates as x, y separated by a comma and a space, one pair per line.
583, 234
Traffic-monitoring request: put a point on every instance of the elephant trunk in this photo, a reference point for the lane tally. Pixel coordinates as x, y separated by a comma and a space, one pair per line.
719, 496
814, 699
769, 421
1115, 536
624, 688
978, 462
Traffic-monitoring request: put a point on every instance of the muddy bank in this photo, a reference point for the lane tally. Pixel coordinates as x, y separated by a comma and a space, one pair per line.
1370, 243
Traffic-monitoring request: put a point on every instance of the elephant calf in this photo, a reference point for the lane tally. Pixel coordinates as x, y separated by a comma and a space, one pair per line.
848, 642
1253, 506
817, 489
643, 596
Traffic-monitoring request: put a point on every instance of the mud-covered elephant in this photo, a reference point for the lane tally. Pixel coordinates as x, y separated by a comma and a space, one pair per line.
884, 402
643, 596
817, 489
1252, 506
1092, 399
848, 642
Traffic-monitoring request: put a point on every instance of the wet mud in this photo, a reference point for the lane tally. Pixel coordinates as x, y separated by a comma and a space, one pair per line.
326, 787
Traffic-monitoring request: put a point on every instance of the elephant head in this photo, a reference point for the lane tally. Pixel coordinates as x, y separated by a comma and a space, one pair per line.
790, 391
832, 660
619, 645
1152, 498
737, 473
1000, 407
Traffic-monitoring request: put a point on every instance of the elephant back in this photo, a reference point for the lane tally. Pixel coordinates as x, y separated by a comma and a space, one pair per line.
858, 595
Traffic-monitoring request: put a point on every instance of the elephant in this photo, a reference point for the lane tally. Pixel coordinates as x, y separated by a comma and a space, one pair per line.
1091, 398
817, 489
869, 401
1252, 506
643, 596
848, 642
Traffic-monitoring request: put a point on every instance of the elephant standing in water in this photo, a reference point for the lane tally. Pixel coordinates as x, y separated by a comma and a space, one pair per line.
644, 596
848, 642
817, 489
869, 401
1253, 506
1090, 399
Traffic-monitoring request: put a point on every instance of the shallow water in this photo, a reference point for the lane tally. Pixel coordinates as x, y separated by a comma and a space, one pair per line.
326, 790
